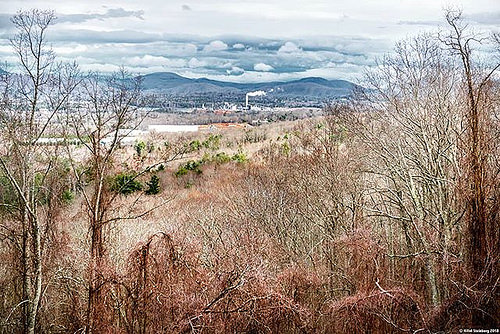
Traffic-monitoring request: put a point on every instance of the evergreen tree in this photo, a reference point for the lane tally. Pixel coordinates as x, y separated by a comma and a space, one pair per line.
153, 185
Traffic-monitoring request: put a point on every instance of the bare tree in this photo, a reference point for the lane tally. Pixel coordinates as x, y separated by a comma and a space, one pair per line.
110, 109
481, 178
32, 99
411, 135
429, 137
477, 82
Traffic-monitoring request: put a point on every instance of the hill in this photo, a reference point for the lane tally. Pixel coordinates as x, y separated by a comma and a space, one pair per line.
171, 83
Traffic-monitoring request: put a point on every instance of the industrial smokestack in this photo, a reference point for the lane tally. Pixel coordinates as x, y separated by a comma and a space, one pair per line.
256, 93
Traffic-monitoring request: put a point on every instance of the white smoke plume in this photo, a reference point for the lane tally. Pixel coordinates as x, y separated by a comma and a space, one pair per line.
257, 93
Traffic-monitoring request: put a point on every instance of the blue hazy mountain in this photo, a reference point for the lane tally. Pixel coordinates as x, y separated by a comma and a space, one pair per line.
171, 83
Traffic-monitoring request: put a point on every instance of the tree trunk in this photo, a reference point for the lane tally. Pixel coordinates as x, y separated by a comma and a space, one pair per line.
37, 262
95, 279
25, 272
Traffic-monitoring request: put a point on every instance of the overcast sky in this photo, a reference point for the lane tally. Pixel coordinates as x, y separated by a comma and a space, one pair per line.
239, 40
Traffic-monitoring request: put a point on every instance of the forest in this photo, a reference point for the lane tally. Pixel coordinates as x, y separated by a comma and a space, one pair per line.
381, 216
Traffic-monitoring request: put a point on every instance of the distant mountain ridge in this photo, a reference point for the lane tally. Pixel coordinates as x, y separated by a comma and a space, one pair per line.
171, 83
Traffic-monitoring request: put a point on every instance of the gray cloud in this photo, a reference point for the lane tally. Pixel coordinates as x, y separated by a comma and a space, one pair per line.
91, 36
492, 18
238, 39
5, 21
110, 13
235, 71
240, 58
433, 23
6, 25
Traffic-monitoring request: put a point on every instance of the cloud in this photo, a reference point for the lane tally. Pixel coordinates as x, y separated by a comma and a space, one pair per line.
261, 67
237, 57
120, 12
186, 7
149, 60
289, 47
492, 17
5, 21
239, 46
92, 36
99, 67
235, 70
71, 48
110, 13
215, 46
433, 23
195, 63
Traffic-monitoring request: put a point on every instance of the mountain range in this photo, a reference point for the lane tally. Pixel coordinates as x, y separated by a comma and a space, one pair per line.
174, 84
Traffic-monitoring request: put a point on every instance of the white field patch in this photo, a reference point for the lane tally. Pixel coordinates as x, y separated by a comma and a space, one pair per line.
161, 128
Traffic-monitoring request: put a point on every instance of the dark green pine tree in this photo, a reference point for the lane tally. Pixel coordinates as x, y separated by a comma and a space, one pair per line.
153, 185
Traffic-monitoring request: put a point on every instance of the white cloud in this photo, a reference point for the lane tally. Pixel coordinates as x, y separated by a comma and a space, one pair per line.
69, 49
195, 63
149, 60
347, 72
324, 38
289, 47
261, 67
215, 46
105, 68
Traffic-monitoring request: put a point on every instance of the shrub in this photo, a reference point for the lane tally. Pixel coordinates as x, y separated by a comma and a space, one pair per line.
181, 171
67, 196
125, 184
221, 158
205, 158
239, 157
153, 185
285, 148
191, 165
7, 193
212, 142
139, 148
254, 137
195, 145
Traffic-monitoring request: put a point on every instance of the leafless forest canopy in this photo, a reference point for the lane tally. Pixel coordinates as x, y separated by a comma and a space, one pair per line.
382, 216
